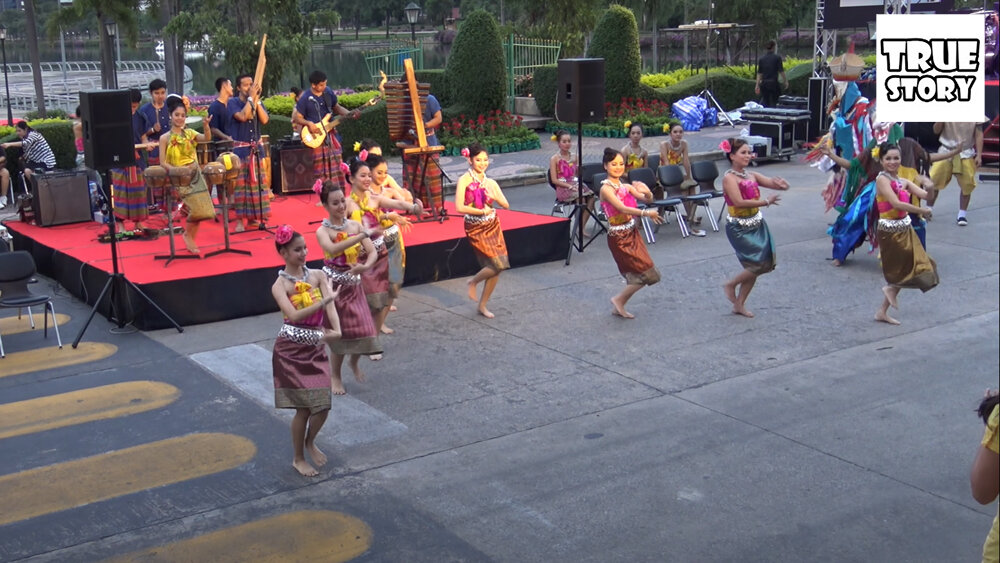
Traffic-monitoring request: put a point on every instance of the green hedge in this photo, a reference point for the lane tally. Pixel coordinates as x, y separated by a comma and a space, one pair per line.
616, 40
438, 80
373, 124
477, 76
278, 127
280, 104
546, 88
730, 90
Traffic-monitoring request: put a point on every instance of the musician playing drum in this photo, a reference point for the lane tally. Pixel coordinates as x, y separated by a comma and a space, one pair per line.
311, 108
251, 199
178, 148
422, 172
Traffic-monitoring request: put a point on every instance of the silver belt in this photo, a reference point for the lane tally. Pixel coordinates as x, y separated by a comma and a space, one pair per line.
391, 233
343, 278
379, 243
481, 218
747, 222
894, 225
620, 230
301, 335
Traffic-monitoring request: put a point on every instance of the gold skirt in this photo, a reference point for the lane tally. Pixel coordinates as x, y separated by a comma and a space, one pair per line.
905, 263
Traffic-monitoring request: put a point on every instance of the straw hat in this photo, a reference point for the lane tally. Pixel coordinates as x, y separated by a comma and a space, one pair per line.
847, 67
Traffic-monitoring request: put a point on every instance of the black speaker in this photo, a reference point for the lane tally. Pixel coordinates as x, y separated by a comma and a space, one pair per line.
294, 170
107, 129
819, 120
61, 198
580, 97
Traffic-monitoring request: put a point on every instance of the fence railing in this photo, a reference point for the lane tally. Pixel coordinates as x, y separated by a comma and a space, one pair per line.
523, 55
390, 60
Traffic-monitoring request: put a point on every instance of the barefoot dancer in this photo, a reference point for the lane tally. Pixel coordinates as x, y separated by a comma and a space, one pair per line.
627, 248
178, 149
905, 263
366, 208
746, 229
301, 367
383, 185
344, 243
475, 196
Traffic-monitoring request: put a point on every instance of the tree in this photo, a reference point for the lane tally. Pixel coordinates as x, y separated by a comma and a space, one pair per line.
329, 19
437, 11
616, 40
235, 28
36, 65
476, 72
123, 12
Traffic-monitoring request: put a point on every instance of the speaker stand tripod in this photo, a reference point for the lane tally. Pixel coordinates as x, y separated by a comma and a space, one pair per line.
116, 288
577, 237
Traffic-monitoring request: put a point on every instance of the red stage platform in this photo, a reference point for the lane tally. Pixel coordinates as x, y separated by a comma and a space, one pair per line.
229, 285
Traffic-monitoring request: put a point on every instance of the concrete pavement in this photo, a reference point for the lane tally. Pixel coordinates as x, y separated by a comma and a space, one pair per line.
556, 432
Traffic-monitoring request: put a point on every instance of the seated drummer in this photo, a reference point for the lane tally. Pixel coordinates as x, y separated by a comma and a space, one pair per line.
311, 108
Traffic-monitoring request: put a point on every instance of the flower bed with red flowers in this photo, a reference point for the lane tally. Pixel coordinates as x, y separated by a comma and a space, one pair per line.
498, 131
653, 115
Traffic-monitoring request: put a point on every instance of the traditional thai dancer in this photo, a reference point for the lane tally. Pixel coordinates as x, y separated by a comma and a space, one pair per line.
624, 240
383, 185
177, 148
348, 251
905, 263
745, 227
367, 208
675, 151
475, 195
563, 175
299, 361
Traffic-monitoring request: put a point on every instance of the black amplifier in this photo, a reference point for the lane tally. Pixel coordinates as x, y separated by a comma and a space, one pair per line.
291, 167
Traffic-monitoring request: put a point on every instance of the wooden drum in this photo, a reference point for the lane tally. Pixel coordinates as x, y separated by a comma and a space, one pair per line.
155, 176
205, 151
213, 173
180, 176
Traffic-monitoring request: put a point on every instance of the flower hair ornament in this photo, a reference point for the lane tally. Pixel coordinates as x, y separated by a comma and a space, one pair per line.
554, 137
465, 152
345, 168
875, 153
666, 127
283, 234
628, 124
318, 186
357, 146
363, 155
725, 146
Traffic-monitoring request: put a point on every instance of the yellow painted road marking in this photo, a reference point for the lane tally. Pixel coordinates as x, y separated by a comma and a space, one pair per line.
14, 325
83, 481
85, 405
40, 359
306, 536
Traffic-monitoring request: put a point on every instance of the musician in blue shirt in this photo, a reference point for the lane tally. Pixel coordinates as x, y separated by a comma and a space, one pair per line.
422, 172
156, 118
312, 107
219, 109
252, 196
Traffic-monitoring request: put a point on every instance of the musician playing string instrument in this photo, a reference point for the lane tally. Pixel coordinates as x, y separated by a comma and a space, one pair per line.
312, 107
250, 198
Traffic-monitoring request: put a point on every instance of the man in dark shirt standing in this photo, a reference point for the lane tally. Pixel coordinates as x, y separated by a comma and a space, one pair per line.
251, 199
768, 68
310, 110
219, 111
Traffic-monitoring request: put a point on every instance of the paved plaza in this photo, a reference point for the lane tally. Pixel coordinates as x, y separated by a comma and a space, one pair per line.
554, 432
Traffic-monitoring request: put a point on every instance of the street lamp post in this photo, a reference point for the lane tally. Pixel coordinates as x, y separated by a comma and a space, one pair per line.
412, 13
6, 85
111, 26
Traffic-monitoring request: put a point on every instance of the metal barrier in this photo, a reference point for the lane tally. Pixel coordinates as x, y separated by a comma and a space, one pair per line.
390, 60
523, 55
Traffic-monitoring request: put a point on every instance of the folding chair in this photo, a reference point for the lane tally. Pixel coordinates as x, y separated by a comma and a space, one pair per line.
666, 203
672, 177
16, 271
705, 173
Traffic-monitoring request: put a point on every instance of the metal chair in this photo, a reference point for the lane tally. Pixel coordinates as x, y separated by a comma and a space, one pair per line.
672, 177
705, 173
670, 204
16, 271
653, 161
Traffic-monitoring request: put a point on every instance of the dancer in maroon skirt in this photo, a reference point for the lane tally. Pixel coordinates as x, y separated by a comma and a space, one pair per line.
475, 195
299, 360
348, 251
